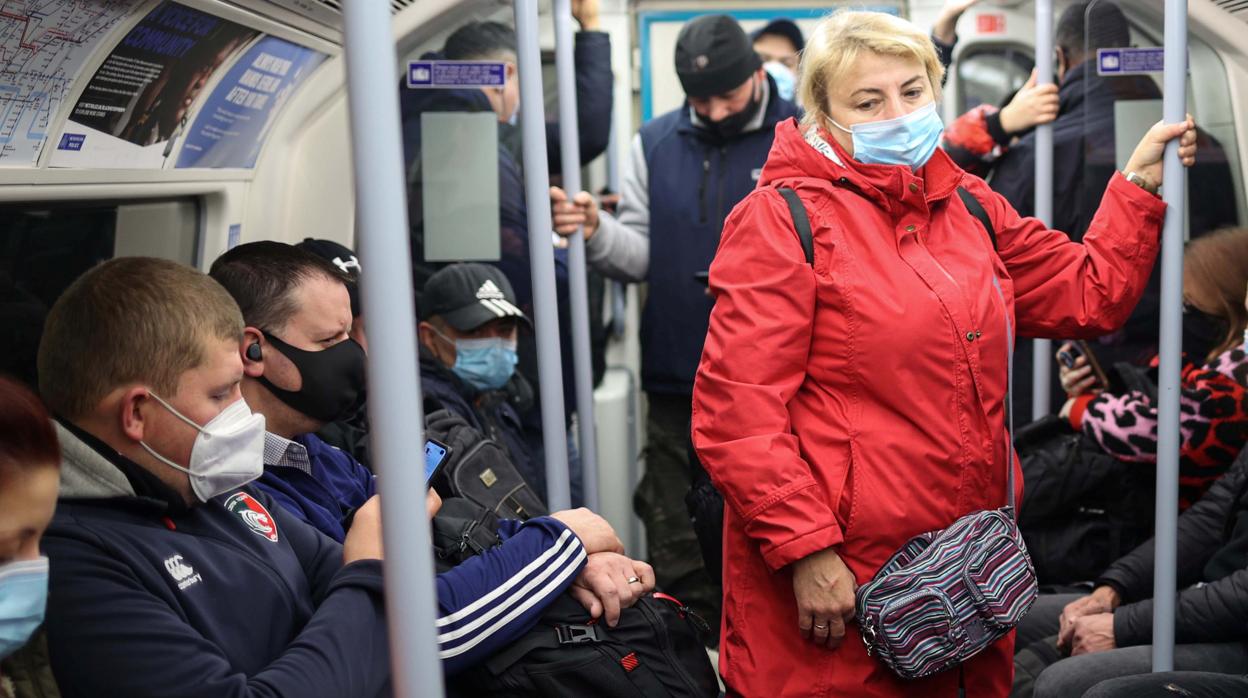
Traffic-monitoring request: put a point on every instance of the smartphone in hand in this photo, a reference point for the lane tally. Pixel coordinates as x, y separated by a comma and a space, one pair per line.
436, 454
1080, 348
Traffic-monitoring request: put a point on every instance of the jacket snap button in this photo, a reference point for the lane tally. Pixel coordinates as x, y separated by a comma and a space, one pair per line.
970, 336
914, 187
910, 228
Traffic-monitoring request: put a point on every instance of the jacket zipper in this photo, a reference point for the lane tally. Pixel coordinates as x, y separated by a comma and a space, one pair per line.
719, 191
706, 175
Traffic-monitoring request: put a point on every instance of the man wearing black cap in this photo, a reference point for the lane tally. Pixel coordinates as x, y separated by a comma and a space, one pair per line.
779, 44
469, 325
350, 433
780, 40
689, 167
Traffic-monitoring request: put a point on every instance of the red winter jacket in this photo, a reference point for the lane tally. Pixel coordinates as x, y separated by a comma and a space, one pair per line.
859, 403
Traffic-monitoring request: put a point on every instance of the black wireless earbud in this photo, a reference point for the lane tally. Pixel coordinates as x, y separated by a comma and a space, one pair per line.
253, 351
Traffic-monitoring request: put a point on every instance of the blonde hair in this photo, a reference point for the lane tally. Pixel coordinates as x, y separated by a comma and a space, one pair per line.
841, 37
130, 320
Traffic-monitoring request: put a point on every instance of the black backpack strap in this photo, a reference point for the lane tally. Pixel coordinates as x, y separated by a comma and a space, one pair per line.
977, 210
801, 223
546, 637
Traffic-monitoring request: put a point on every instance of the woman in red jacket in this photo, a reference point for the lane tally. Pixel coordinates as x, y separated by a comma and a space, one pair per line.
845, 406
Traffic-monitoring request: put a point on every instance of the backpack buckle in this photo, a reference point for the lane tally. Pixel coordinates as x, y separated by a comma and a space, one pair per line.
577, 634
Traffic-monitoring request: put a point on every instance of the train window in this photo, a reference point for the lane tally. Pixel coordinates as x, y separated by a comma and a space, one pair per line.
990, 73
45, 246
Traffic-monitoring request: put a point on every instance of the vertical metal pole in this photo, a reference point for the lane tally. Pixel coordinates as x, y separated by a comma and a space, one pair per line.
578, 282
1174, 176
542, 255
394, 398
1042, 349
619, 304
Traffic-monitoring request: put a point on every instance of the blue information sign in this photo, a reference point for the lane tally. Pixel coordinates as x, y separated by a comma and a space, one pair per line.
1130, 61
455, 74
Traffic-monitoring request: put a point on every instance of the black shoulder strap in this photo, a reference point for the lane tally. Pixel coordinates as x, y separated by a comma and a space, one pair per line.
801, 223
977, 210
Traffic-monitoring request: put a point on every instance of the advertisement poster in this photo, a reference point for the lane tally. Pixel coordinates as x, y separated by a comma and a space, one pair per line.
230, 127
137, 103
43, 46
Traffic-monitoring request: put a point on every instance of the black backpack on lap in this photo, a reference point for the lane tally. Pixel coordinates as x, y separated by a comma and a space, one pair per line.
479, 468
655, 651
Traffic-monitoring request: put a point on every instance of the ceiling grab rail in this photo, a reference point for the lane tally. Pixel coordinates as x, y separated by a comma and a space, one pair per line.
1174, 175
541, 255
578, 281
394, 397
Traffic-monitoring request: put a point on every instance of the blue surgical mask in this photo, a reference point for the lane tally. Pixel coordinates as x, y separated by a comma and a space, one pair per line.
485, 364
906, 140
23, 598
786, 81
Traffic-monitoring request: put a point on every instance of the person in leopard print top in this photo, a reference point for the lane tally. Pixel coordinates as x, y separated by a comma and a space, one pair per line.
1214, 395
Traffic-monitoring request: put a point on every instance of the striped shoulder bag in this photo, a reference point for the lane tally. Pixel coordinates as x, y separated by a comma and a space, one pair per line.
946, 595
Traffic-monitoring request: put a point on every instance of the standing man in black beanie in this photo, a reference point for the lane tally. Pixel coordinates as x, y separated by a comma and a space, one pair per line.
688, 168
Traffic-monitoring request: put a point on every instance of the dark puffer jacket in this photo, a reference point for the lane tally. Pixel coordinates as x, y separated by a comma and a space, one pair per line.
1212, 571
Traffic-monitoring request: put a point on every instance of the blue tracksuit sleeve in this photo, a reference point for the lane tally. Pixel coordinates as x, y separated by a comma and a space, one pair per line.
490, 600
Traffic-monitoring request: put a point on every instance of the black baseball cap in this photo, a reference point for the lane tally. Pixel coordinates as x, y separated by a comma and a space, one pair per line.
714, 56
469, 295
344, 259
782, 27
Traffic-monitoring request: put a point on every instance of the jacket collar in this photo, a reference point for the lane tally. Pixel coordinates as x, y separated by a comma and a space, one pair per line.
815, 154
91, 469
769, 114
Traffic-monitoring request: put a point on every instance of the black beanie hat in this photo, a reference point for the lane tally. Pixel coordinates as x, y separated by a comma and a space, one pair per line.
714, 56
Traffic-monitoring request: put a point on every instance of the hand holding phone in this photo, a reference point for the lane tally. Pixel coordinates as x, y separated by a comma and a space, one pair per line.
436, 454
1079, 370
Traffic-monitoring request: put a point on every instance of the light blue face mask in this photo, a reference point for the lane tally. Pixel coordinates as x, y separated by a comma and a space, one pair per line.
906, 140
485, 364
786, 81
23, 598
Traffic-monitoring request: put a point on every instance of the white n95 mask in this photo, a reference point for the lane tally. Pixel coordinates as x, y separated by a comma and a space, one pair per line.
228, 452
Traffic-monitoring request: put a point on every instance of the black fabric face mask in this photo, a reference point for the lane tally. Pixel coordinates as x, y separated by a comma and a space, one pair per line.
734, 124
333, 379
1202, 332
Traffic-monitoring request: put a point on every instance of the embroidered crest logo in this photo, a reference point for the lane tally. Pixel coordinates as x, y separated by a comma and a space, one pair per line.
253, 514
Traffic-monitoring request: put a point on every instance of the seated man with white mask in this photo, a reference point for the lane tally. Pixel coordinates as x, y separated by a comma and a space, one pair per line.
169, 575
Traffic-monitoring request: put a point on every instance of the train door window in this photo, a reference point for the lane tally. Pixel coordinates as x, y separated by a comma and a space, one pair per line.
991, 73
45, 247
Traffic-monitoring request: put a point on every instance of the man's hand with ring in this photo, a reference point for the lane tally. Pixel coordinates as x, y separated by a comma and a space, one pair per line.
610, 583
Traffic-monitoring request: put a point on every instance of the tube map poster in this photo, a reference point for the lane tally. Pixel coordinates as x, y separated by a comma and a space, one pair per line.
137, 103
43, 46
